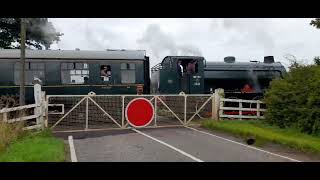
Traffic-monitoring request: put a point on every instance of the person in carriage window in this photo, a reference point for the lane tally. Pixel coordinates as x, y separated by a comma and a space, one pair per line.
103, 71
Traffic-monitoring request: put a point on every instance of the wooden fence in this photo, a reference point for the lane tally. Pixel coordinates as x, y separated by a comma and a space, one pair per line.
239, 111
38, 113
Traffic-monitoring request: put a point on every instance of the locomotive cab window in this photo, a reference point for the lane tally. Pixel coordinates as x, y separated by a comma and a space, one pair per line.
32, 70
74, 73
128, 73
189, 66
105, 72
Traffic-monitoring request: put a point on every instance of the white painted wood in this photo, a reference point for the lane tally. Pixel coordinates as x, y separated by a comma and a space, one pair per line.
242, 109
104, 111
238, 116
199, 110
38, 126
5, 110
169, 109
87, 114
240, 100
5, 117
68, 113
53, 105
22, 118
258, 109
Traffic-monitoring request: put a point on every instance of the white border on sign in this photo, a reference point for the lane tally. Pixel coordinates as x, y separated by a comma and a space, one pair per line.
127, 112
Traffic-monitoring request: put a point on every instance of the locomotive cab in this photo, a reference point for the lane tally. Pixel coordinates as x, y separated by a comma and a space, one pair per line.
177, 74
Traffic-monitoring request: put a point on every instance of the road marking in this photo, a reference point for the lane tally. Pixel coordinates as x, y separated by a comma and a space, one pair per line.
72, 150
168, 145
285, 157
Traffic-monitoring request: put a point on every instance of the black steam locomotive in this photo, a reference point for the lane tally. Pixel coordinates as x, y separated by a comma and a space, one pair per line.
193, 75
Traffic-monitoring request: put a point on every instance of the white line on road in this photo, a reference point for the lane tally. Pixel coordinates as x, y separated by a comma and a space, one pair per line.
72, 150
244, 145
168, 145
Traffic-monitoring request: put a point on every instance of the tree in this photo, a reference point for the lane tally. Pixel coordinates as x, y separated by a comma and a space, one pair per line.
317, 60
315, 22
294, 101
40, 33
294, 63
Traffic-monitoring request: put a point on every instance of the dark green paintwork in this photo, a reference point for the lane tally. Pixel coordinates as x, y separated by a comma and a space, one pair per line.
169, 73
52, 84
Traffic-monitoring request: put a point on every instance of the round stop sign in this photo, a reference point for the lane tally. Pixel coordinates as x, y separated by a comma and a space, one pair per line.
139, 112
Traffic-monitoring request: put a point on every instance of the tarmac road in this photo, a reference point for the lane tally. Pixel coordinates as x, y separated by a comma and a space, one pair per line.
167, 145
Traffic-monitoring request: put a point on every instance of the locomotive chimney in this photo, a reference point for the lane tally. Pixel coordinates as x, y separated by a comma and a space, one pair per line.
268, 59
229, 59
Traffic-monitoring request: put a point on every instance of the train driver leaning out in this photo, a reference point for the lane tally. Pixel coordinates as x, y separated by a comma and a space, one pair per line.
180, 68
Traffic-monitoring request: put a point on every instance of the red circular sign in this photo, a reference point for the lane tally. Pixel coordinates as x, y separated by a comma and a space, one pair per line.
139, 112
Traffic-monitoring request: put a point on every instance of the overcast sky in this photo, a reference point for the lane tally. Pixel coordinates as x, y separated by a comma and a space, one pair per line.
246, 39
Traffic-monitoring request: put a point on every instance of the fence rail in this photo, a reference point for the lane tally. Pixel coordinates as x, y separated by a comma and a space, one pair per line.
240, 112
21, 113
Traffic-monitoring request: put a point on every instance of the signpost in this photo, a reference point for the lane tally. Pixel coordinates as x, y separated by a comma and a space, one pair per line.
139, 112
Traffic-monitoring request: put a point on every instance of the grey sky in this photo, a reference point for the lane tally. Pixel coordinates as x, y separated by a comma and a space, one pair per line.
246, 39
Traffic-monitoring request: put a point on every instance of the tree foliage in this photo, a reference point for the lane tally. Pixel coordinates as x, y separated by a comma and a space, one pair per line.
40, 33
315, 22
294, 101
317, 60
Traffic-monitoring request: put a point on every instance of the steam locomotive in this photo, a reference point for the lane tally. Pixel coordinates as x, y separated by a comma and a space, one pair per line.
128, 72
194, 75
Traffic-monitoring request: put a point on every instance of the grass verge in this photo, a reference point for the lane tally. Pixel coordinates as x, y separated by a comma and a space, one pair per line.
35, 147
266, 133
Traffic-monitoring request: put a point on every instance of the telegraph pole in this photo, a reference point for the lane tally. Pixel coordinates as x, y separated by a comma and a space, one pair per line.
22, 61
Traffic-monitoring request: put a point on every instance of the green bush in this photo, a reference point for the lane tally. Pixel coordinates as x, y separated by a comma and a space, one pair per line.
294, 101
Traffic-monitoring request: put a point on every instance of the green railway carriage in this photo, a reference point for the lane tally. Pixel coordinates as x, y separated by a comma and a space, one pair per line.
75, 72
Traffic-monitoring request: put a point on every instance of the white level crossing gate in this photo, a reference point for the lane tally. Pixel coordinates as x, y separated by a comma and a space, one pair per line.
92, 112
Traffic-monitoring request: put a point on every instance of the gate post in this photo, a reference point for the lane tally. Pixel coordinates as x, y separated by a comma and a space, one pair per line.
218, 93
122, 111
38, 101
87, 113
213, 113
185, 109
43, 107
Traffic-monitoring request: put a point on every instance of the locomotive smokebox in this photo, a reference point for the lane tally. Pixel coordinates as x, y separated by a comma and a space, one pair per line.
268, 59
229, 59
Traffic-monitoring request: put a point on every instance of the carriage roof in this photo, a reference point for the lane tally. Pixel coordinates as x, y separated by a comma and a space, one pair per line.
75, 54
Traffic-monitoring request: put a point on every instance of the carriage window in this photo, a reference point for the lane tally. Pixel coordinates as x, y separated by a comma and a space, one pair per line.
74, 73
32, 70
105, 72
128, 73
